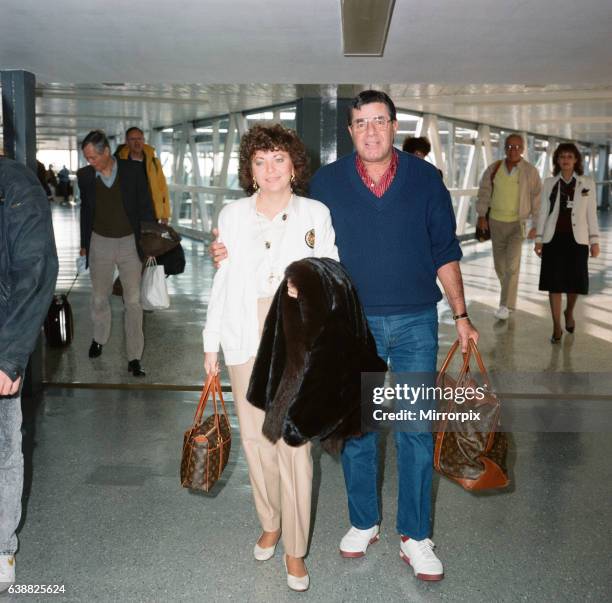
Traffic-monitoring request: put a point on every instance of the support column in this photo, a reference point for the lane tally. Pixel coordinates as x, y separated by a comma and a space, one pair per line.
308, 126
602, 175
19, 131
19, 116
321, 123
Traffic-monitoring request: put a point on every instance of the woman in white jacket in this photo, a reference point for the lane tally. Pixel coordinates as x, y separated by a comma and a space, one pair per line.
263, 234
567, 229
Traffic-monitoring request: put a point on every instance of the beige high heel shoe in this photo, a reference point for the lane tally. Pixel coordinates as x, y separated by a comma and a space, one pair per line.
299, 584
263, 554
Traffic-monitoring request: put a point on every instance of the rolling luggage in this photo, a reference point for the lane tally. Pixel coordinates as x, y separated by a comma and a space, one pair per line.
59, 324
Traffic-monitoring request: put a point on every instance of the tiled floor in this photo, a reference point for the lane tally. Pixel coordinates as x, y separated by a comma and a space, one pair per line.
106, 516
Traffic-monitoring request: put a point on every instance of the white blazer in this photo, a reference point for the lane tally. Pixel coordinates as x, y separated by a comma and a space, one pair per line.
231, 318
584, 212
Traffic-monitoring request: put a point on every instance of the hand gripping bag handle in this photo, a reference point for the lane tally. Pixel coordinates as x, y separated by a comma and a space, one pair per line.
465, 369
211, 388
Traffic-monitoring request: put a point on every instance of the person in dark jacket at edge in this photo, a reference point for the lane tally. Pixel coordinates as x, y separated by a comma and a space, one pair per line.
115, 200
28, 271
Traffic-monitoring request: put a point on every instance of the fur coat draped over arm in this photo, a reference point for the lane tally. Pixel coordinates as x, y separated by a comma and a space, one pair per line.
307, 373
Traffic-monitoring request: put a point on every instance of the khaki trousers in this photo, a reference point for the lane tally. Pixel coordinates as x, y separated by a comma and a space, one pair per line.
507, 242
281, 475
104, 254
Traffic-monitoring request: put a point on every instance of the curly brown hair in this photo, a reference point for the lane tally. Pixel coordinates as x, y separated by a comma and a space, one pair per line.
567, 147
272, 138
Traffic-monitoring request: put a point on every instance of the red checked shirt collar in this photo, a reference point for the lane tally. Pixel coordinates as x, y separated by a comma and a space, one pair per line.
380, 188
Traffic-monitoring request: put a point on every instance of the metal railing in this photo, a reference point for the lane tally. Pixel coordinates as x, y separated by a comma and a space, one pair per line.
195, 215
195, 209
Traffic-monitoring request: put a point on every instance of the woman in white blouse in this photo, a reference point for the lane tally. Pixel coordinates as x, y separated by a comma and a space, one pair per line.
263, 234
567, 231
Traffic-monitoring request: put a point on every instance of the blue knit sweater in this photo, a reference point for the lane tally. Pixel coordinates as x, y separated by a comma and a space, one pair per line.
391, 246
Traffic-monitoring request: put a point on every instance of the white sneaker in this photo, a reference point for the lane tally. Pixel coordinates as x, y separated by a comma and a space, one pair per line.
502, 313
420, 556
355, 542
7, 571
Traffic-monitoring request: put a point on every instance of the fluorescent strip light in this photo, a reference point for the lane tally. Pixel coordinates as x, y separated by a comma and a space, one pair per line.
365, 25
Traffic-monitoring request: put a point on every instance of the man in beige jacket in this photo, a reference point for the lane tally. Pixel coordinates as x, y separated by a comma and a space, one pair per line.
509, 198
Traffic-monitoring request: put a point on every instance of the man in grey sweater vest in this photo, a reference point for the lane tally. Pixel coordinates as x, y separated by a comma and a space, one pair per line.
115, 200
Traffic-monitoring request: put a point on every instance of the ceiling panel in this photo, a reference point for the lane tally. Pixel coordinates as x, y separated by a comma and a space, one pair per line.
215, 41
541, 66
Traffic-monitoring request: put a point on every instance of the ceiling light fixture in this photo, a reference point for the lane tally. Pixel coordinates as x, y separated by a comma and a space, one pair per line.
365, 24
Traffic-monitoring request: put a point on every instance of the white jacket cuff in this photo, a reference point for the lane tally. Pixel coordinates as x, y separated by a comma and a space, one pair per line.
211, 341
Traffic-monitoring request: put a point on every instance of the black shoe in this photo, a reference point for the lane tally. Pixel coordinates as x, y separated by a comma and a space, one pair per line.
95, 349
135, 368
568, 328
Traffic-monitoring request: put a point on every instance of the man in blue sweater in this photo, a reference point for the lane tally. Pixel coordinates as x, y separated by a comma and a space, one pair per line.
395, 232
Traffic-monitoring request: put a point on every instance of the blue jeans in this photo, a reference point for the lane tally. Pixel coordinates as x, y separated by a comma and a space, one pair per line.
409, 343
11, 472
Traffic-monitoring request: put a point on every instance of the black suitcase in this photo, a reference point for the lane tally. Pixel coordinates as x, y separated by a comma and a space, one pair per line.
59, 325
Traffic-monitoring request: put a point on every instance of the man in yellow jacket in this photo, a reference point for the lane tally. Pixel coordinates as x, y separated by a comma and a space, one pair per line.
135, 149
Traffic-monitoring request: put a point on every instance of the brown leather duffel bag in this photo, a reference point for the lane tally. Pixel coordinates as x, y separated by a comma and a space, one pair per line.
206, 445
471, 452
157, 239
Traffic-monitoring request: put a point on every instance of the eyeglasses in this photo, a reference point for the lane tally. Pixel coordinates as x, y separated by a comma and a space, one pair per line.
361, 124
514, 147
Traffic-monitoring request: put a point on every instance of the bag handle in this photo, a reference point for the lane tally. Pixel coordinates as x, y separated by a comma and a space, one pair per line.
465, 369
151, 261
211, 388
72, 285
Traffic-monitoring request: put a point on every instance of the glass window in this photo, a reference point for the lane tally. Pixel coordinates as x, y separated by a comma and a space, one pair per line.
408, 124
